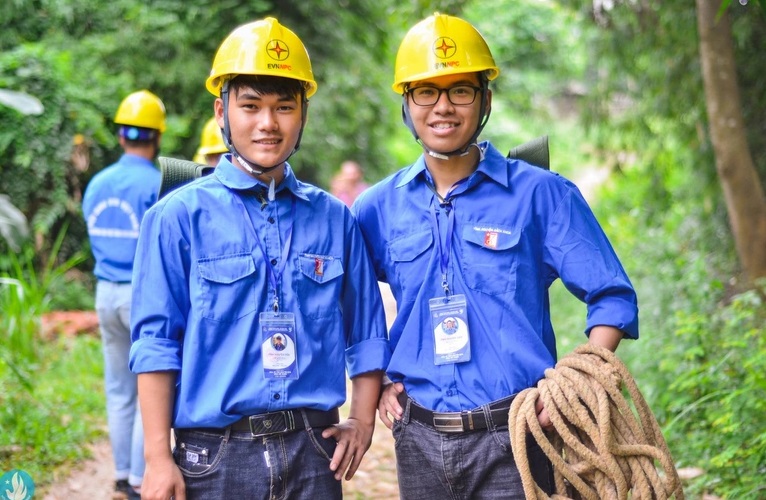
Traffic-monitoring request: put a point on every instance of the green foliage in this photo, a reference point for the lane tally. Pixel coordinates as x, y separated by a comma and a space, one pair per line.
717, 397
40, 179
43, 415
24, 297
44, 428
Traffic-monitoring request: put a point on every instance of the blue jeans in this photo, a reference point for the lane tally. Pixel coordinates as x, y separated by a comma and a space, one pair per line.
467, 465
125, 430
227, 464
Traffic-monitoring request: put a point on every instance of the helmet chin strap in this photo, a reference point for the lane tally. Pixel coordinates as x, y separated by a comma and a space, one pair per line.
252, 167
463, 151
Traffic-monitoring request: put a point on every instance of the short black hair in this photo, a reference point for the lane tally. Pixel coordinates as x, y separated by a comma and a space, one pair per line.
265, 85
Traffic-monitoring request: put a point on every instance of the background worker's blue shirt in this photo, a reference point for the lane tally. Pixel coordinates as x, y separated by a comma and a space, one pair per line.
517, 229
201, 281
114, 203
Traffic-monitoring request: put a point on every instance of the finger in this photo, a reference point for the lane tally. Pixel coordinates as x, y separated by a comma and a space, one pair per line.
337, 458
383, 415
331, 432
391, 400
544, 419
180, 491
345, 464
357, 460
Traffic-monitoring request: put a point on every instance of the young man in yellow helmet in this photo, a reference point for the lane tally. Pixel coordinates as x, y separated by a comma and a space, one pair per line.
114, 203
229, 263
211, 145
470, 241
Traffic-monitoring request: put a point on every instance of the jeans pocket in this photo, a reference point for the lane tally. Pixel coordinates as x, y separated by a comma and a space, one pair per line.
502, 437
398, 431
198, 454
325, 447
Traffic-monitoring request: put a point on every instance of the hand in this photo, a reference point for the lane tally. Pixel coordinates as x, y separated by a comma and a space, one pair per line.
389, 404
163, 480
354, 438
542, 415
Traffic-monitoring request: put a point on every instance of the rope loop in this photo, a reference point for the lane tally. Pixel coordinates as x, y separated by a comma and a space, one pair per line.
605, 442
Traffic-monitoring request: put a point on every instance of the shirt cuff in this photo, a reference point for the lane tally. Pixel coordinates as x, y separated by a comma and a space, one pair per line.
615, 312
155, 355
367, 356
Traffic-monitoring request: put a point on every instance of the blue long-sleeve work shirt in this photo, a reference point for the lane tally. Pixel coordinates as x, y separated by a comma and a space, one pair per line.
114, 203
201, 282
517, 228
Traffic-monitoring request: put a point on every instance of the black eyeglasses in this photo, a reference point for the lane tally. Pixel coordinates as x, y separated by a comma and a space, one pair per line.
459, 95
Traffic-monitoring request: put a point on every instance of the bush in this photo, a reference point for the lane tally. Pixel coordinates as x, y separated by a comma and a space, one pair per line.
717, 399
50, 392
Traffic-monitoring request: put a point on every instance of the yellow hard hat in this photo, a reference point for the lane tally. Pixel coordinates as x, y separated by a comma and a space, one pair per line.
211, 141
262, 47
441, 45
141, 109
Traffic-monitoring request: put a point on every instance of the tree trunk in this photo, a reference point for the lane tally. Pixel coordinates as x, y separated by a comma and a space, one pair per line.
742, 188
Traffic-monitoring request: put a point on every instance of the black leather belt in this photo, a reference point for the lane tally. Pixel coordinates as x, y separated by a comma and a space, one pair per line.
281, 422
459, 421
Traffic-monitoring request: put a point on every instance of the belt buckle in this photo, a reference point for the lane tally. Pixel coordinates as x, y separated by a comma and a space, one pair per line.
271, 423
448, 422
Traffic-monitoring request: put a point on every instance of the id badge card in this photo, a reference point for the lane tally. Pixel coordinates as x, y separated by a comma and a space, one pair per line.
449, 322
278, 349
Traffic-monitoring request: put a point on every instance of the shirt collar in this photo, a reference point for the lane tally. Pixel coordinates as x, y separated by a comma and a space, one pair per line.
493, 165
235, 179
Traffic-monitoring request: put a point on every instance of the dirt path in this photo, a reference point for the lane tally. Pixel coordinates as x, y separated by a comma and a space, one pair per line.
375, 479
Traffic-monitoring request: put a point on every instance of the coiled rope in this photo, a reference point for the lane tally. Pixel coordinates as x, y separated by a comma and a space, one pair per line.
599, 448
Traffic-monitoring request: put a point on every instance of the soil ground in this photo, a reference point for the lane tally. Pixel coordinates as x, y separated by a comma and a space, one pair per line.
94, 478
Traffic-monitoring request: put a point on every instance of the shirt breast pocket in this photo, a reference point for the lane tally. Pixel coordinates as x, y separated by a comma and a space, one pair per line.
490, 258
227, 287
319, 285
411, 259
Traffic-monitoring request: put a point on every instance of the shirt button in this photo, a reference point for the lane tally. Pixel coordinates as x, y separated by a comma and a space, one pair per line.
271, 220
449, 393
276, 396
273, 262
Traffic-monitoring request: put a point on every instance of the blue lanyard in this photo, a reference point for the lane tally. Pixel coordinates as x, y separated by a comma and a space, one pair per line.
445, 249
274, 274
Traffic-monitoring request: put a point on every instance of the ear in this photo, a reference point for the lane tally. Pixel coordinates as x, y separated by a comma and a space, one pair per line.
218, 110
489, 101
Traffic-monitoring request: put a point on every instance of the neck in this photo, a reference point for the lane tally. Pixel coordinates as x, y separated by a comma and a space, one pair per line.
278, 174
446, 173
144, 152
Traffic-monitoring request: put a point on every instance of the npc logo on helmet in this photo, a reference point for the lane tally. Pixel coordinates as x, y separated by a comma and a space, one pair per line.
444, 47
278, 50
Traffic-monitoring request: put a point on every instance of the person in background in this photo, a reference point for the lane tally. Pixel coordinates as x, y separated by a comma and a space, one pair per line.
348, 183
211, 145
114, 205
470, 241
228, 263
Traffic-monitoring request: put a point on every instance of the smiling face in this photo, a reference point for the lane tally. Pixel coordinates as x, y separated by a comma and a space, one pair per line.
264, 126
444, 126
